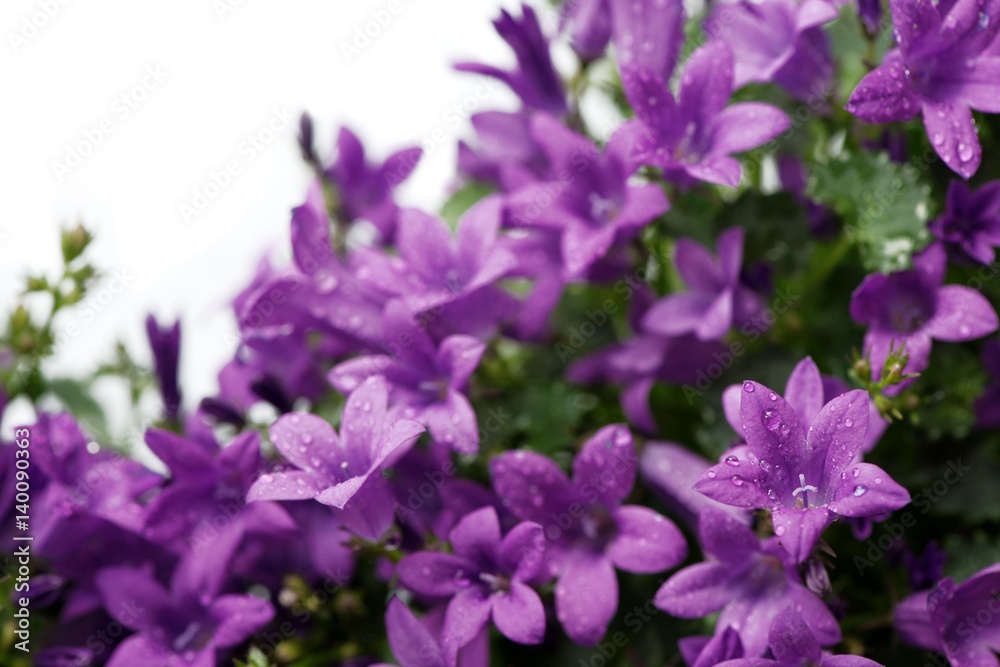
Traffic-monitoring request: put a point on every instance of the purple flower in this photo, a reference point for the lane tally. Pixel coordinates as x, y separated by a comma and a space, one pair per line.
484, 578
535, 80
806, 478
711, 651
507, 155
589, 531
942, 69
365, 189
949, 618
415, 643
695, 136
970, 224
207, 483
165, 343
453, 278
186, 625
870, 12
591, 203
988, 405
343, 472
777, 40
717, 299
426, 380
749, 580
807, 393
793, 644
912, 307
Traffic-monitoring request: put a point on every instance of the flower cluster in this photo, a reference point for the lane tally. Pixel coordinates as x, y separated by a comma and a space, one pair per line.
430, 443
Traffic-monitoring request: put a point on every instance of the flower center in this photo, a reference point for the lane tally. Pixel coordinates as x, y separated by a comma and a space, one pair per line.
803, 489
602, 209
497, 583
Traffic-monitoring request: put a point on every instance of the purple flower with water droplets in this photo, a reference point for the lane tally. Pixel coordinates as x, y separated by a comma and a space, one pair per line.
588, 529
969, 227
694, 137
956, 619
717, 299
807, 393
912, 307
942, 68
805, 477
427, 381
343, 472
748, 580
486, 577
777, 40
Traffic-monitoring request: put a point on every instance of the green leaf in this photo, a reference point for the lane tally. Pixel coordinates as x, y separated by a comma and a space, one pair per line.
885, 205
463, 200
75, 395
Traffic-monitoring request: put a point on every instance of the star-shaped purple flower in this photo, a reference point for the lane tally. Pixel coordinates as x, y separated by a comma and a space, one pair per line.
592, 203
957, 619
749, 580
186, 625
486, 577
588, 529
717, 299
942, 69
912, 307
426, 380
970, 223
345, 471
694, 137
805, 477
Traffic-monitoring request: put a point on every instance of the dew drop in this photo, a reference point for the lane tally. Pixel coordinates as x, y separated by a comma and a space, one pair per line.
773, 396
749, 387
736, 480
848, 423
856, 472
732, 461
860, 490
779, 530
711, 474
938, 139
964, 152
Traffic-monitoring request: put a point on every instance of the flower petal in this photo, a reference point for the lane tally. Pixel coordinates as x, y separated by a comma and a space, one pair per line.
799, 529
239, 616
883, 96
587, 598
697, 590
838, 434
410, 641
453, 423
606, 465
745, 126
522, 551
646, 541
530, 485
805, 390
476, 536
677, 314
952, 132
292, 485
310, 443
962, 314
519, 614
775, 435
434, 575
867, 490
467, 614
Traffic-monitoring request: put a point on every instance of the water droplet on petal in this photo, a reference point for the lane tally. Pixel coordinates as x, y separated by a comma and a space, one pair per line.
938, 139
856, 472
848, 423
773, 396
736, 480
732, 461
749, 387
859, 490
711, 474
779, 530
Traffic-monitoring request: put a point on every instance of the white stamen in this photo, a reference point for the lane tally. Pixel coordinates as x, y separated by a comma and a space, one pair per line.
804, 487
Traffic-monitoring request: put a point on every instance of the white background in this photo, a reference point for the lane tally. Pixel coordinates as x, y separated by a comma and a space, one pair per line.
225, 74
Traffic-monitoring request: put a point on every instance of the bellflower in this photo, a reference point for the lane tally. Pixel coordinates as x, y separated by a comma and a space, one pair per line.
793, 644
426, 380
807, 392
717, 299
365, 189
186, 625
942, 69
591, 203
694, 136
486, 577
535, 80
960, 620
165, 343
970, 223
590, 532
345, 471
454, 277
207, 483
805, 477
506, 155
777, 40
912, 307
988, 405
749, 580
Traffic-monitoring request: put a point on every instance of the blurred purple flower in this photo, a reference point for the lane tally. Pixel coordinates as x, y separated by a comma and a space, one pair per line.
970, 224
165, 343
